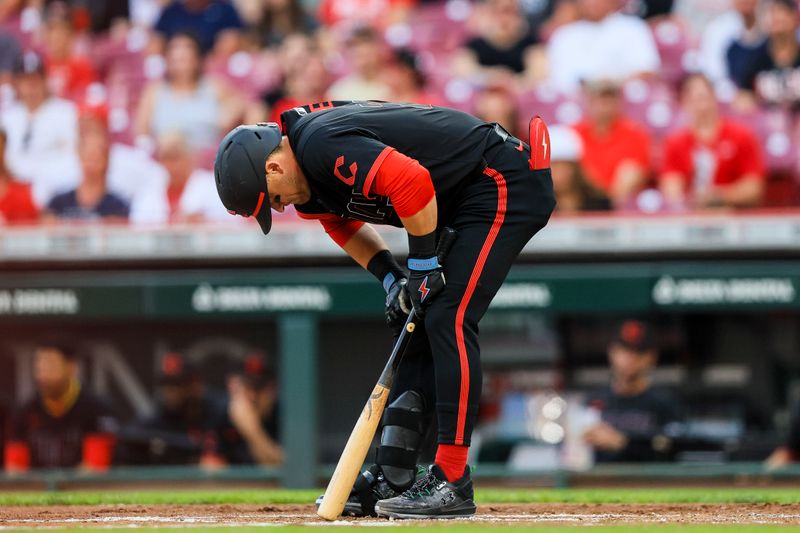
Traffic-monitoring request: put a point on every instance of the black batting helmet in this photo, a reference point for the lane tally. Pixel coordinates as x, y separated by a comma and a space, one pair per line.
239, 171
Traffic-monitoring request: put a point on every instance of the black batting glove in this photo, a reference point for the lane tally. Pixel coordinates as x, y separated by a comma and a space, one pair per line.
426, 279
398, 305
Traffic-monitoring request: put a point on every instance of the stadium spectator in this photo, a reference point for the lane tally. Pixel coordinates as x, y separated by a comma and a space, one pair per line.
252, 436
185, 426
211, 22
650, 10
498, 104
406, 81
634, 413
42, 133
189, 195
279, 18
773, 77
186, 101
131, 171
573, 191
344, 15
366, 54
616, 151
737, 26
504, 43
95, 16
10, 56
63, 424
789, 452
305, 81
602, 44
547, 16
16, 201
91, 200
713, 161
68, 73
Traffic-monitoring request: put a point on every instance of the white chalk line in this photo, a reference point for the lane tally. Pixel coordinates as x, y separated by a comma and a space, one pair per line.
283, 519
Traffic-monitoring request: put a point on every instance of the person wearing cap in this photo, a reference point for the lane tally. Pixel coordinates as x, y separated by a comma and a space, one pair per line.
51, 429
185, 427
354, 164
42, 133
634, 413
252, 436
573, 191
616, 150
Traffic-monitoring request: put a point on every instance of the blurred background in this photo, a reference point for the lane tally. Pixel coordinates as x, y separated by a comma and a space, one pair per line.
147, 334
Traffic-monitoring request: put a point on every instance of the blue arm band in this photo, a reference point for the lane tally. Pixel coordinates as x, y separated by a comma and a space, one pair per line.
423, 264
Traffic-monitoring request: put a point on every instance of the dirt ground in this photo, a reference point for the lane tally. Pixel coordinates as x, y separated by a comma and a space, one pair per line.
550, 513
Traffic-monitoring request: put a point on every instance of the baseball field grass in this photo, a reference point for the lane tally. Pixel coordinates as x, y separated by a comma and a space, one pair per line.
607, 510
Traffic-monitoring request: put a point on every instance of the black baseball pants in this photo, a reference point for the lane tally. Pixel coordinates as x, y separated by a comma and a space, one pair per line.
499, 211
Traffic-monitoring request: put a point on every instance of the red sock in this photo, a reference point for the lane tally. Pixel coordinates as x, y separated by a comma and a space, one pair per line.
452, 460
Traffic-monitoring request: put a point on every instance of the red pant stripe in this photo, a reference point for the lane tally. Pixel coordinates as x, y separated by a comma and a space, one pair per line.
502, 197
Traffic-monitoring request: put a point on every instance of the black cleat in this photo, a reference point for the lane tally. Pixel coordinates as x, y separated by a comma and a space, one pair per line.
370, 487
432, 496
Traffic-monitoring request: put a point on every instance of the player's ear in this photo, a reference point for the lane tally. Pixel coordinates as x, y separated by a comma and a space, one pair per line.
273, 167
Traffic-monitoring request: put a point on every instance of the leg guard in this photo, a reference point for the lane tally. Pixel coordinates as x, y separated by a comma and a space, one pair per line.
403, 427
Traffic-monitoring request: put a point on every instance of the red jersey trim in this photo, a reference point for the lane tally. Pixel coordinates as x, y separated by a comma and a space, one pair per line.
373, 170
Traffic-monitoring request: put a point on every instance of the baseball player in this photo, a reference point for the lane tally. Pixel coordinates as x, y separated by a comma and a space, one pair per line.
354, 164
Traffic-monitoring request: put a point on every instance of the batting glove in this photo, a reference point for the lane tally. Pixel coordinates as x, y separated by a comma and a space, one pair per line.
426, 278
398, 305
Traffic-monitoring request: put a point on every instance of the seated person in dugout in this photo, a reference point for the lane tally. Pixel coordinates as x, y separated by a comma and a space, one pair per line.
789, 451
186, 424
63, 424
250, 435
634, 413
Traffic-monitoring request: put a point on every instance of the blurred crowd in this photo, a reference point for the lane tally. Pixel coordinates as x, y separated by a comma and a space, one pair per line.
65, 425
112, 110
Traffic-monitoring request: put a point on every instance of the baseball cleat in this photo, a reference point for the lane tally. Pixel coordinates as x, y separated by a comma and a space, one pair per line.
432, 496
370, 487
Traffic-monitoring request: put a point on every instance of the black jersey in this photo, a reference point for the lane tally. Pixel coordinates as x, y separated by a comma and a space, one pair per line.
640, 418
341, 148
58, 441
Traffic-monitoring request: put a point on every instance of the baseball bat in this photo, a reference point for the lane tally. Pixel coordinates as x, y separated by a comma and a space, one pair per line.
358, 444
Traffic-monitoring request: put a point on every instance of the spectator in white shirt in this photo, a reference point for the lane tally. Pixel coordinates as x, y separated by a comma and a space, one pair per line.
42, 134
189, 195
602, 44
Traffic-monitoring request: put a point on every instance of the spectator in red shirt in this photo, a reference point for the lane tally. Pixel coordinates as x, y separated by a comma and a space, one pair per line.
16, 201
347, 14
68, 74
713, 162
616, 151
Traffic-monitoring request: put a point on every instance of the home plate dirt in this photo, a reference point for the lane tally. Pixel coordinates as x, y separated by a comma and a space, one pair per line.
551, 513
